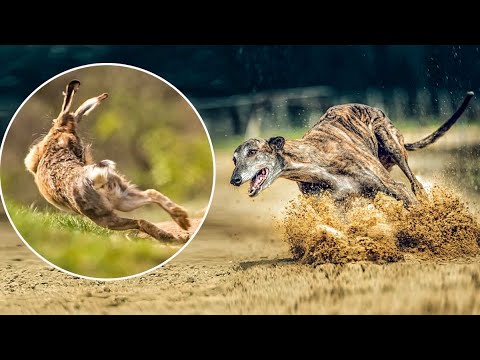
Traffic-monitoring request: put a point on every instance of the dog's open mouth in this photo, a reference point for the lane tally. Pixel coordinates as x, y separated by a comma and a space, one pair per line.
257, 181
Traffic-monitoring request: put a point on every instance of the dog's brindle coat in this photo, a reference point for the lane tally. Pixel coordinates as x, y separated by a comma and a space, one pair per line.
350, 151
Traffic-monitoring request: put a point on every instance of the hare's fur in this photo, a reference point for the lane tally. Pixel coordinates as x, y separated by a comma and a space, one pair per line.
68, 177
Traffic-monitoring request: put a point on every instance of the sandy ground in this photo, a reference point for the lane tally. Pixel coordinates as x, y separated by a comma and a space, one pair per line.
238, 264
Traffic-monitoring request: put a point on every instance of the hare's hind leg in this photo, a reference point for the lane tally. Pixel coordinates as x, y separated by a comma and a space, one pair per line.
114, 222
134, 198
178, 213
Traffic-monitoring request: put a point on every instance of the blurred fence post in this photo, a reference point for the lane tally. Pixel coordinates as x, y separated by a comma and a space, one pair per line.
445, 103
424, 105
235, 119
254, 122
280, 110
399, 104
316, 111
375, 98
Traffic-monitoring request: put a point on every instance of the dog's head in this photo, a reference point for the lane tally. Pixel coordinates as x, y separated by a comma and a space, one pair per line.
258, 161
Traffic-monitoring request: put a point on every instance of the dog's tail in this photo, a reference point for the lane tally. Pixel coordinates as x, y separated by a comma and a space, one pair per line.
430, 139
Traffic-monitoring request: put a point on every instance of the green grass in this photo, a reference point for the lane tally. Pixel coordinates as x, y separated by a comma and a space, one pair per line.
76, 244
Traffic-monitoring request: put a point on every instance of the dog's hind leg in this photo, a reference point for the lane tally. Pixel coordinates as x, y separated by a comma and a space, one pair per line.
133, 199
374, 178
114, 222
392, 143
390, 187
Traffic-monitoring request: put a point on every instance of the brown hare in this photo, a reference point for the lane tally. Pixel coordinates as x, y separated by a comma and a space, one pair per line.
68, 178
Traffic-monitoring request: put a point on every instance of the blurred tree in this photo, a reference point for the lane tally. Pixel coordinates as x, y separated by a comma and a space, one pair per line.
208, 71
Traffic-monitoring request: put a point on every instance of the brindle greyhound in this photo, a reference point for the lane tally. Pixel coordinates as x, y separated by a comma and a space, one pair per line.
350, 151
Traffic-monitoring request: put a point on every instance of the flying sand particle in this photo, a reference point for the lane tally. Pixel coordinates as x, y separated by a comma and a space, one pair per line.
380, 230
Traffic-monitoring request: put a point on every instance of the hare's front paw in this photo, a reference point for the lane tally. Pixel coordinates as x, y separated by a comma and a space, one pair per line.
180, 216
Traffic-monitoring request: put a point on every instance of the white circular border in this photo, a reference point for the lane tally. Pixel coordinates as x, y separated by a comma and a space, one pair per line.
213, 182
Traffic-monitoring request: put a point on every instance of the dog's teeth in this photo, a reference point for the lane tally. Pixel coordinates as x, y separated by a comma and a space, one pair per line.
258, 180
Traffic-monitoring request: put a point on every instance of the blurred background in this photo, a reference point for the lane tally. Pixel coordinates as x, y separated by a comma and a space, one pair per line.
145, 126
240, 89
244, 91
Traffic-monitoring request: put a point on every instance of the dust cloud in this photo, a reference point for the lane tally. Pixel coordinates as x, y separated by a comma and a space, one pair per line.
381, 230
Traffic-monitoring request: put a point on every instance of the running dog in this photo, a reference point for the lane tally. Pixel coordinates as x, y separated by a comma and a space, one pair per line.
350, 151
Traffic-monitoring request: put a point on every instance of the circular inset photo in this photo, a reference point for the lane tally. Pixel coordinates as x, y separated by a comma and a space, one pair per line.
107, 171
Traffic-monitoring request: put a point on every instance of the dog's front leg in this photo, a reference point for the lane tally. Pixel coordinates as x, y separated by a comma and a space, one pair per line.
307, 188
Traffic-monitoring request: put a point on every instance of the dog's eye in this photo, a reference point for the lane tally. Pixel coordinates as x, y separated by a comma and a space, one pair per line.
251, 152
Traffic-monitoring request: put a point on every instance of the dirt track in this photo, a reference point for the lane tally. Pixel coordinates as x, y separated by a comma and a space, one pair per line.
238, 264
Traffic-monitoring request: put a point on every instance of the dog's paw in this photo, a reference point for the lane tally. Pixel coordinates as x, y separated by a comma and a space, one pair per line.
420, 193
180, 216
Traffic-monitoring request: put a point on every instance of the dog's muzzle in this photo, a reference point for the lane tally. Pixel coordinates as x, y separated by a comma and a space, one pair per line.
236, 180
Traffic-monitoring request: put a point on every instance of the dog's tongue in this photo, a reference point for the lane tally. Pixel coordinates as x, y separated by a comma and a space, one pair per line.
257, 181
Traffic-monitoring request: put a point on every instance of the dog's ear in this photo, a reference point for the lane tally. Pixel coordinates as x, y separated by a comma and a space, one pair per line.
276, 143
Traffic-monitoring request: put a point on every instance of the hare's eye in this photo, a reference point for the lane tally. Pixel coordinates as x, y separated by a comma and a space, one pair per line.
251, 152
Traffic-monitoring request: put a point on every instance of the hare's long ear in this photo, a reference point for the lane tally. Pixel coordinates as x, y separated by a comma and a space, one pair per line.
68, 95
88, 106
